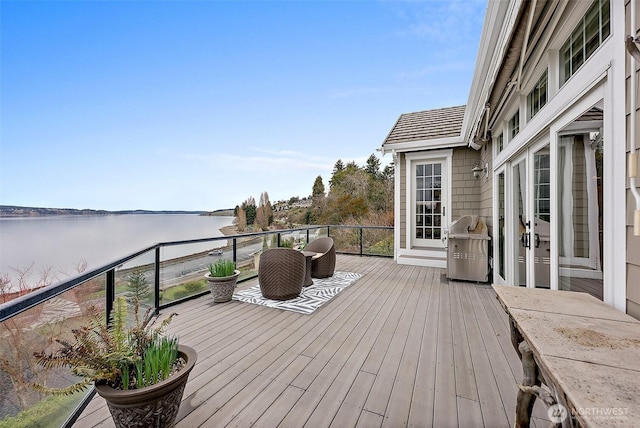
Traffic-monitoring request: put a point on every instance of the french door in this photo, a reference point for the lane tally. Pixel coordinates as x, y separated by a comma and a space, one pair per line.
531, 217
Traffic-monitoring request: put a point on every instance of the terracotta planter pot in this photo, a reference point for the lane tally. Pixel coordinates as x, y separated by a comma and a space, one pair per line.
222, 287
153, 406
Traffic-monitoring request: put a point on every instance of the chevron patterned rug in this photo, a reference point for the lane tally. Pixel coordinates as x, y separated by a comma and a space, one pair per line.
311, 298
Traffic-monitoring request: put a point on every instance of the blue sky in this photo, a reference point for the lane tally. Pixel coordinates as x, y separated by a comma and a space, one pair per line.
196, 105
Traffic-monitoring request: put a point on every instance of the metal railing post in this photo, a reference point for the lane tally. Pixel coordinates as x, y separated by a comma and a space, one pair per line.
234, 251
360, 229
110, 293
156, 281
278, 240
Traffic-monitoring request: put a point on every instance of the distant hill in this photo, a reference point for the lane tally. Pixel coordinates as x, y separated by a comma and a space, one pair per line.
15, 211
226, 212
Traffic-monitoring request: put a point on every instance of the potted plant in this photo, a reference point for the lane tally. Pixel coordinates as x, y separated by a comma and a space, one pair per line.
222, 278
138, 371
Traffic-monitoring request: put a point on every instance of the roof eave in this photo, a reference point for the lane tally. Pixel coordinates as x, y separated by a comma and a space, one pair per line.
493, 43
418, 145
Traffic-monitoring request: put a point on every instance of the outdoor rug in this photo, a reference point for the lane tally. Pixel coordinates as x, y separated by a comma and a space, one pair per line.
311, 298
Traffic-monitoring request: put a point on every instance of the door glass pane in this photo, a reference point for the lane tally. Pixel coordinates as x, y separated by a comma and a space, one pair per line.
541, 245
501, 258
580, 233
520, 221
428, 179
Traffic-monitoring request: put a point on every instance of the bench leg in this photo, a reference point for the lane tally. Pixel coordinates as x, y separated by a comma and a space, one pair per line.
526, 399
516, 337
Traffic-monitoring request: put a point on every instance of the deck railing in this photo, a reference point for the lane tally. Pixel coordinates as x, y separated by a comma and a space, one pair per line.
161, 275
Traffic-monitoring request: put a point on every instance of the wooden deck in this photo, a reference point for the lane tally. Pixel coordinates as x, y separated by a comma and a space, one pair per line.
403, 346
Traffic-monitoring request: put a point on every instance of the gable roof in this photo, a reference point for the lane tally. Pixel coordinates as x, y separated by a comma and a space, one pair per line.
426, 129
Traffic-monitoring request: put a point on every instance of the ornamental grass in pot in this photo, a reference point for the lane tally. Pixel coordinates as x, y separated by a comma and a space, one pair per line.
222, 278
140, 372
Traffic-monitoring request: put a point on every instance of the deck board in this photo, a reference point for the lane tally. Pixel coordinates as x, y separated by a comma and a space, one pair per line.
400, 347
445, 412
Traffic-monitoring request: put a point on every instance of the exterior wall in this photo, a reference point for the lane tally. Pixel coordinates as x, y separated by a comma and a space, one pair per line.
400, 164
633, 242
598, 82
465, 189
486, 188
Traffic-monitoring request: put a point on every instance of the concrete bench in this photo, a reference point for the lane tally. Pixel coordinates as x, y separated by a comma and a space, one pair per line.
580, 356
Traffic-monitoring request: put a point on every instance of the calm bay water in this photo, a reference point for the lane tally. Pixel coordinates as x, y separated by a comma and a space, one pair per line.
61, 242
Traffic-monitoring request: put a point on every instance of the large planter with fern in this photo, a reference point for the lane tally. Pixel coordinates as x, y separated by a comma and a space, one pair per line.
222, 278
140, 371
152, 406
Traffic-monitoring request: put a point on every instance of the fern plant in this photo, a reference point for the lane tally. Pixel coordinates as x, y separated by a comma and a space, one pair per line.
124, 357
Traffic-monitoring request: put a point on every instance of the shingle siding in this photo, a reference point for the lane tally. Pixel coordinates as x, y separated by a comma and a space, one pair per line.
465, 198
633, 242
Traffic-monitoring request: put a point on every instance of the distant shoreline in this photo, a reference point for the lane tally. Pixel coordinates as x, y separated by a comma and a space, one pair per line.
229, 230
10, 211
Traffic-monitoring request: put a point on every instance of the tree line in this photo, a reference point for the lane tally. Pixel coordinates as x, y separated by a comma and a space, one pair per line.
356, 195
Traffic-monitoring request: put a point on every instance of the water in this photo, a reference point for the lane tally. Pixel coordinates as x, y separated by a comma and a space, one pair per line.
62, 242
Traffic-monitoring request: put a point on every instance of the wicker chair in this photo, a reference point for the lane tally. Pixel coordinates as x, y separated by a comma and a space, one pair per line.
323, 265
281, 273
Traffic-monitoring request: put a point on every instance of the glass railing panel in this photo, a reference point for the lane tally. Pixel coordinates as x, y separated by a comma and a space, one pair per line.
182, 268
36, 330
377, 242
320, 232
135, 279
346, 239
293, 239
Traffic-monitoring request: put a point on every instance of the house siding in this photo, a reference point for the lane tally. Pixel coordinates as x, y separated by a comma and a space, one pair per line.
633, 242
465, 198
486, 188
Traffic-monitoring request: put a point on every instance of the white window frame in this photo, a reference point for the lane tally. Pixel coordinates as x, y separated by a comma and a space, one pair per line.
581, 25
510, 125
532, 96
499, 132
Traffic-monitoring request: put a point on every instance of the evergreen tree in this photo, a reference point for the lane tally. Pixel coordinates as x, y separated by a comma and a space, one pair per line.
339, 166
388, 172
249, 207
137, 286
318, 188
373, 166
340, 176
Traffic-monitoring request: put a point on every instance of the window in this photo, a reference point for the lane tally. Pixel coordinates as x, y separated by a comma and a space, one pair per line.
428, 178
500, 142
591, 31
514, 125
537, 98
542, 180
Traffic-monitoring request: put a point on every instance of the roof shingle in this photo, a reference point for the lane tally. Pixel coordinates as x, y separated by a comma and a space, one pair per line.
427, 125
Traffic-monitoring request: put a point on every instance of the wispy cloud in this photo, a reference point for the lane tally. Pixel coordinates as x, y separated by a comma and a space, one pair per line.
444, 22
275, 161
354, 92
437, 69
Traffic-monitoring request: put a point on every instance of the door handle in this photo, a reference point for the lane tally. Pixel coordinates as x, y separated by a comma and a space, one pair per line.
443, 210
